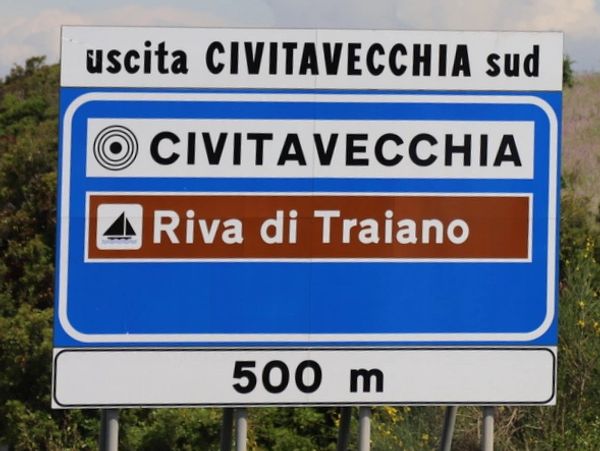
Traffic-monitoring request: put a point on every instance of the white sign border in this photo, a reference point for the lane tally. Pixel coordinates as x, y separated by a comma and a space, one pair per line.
64, 194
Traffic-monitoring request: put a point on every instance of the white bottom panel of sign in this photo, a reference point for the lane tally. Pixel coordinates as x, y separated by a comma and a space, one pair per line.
323, 376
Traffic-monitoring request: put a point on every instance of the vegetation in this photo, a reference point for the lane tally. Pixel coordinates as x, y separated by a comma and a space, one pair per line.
568, 75
28, 160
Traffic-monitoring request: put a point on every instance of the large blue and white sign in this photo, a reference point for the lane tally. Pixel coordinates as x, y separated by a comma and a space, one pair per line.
252, 217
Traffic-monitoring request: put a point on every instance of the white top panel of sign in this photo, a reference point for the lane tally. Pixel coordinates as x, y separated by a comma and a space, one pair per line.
311, 59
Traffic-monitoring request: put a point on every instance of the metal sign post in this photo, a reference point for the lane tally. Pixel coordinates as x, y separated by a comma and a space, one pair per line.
241, 429
344, 428
109, 430
364, 428
226, 429
448, 428
487, 435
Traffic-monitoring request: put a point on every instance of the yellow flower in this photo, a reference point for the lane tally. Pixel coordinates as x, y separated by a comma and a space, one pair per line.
581, 323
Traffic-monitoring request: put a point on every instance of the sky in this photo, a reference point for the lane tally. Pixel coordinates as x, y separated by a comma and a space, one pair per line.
32, 27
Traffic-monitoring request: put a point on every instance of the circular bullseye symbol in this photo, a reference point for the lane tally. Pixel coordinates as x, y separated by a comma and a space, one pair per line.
115, 148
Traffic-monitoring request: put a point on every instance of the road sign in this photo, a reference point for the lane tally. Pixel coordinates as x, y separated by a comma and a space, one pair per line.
307, 217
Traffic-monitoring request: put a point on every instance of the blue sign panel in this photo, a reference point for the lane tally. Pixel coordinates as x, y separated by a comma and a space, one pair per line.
356, 178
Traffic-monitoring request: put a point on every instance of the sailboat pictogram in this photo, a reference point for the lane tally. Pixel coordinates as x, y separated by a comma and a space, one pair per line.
121, 229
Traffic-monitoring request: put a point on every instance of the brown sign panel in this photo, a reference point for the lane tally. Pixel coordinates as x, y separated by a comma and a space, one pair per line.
212, 226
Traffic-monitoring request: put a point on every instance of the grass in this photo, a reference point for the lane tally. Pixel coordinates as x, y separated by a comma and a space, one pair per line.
581, 136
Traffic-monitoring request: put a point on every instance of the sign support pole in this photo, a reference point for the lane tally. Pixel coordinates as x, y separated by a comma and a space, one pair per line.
102, 437
344, 431
487, 436
448, 431
227, 429
109, 430
364, 428
241, 429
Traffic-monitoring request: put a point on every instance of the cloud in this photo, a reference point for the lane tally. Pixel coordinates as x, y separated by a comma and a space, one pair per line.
577, 17
136, 15
23, 37
378, 14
